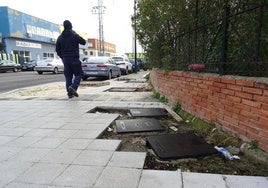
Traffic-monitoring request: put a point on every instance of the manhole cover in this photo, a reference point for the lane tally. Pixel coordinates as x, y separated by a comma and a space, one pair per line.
138, 125
182, 145
145, 112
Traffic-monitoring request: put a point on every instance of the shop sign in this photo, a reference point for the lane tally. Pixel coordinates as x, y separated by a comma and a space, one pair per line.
28, 44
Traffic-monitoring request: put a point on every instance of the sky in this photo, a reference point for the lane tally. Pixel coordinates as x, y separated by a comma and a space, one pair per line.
116, 18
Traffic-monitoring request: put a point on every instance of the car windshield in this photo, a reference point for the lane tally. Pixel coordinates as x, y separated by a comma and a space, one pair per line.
117, 58
98, 60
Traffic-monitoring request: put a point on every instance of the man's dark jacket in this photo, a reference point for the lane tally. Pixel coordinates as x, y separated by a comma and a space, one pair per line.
67, 45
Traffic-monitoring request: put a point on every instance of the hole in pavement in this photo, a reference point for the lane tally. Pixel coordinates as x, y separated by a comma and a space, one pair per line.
155, 132
128, 89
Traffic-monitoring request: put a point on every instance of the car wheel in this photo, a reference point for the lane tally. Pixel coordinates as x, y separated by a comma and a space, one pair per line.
84, 78
56, 71
39, 72
126, 71
119, 73
15, 69
109, 75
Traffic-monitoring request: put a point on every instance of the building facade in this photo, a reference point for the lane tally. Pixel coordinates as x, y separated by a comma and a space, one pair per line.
29, 37
94, 48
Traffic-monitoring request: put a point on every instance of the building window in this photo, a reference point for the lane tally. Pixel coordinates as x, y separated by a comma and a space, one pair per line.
48, 55
26, 55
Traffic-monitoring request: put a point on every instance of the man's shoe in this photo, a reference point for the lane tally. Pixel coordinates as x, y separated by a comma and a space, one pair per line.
73, 91
71, 96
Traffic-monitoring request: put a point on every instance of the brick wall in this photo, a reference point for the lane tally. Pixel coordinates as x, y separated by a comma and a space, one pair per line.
238, 104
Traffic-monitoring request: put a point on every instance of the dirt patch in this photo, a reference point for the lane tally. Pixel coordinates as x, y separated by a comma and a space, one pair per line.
217, 164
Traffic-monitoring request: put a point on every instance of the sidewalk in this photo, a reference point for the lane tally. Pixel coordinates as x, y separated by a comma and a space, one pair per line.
51, 141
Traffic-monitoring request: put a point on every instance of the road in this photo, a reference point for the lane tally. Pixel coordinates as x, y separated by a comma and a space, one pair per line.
10, 81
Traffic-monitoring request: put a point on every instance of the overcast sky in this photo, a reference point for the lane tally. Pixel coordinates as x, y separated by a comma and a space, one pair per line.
116, 20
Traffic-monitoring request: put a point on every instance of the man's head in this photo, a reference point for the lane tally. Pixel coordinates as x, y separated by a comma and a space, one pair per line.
67, 24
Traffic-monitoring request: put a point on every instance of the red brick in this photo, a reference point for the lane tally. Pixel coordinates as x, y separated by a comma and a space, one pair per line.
224, 102
264, 134
260, 112
208, 83
233, 99
251, 103
260, 98
261, 85
214, 89
244, 83
234, 87
242, 106
220, 85
248, 128
264, 106
249, 115
244, 95
227, 81
232, 109
253, 90
265, 92
239, 130
215, 79
228, 92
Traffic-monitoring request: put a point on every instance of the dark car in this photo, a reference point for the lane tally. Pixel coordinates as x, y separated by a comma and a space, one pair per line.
100, 67
132, 61
9, 65
28, 65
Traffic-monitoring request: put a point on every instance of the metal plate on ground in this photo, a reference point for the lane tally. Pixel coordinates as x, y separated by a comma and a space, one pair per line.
138, 125
122, 89
181, 145
148, 112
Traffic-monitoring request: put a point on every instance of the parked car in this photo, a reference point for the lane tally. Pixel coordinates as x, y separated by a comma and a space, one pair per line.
54, 65
9, 65
100, 66
28, 65
123, 63
132, 61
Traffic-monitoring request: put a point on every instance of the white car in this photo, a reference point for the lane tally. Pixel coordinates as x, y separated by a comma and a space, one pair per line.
123, 63
54, 65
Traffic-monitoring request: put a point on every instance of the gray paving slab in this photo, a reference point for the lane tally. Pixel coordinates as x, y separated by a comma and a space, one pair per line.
93, 157
76, 143
60, 156
103, 144
49, 142
202, 180
160, 179
79, 176
25, 185
6, 139
30, 154
41, 173
23, 142
10, 170
115, 177
128, 159
90, 134
7, 152
245, 181
62, 133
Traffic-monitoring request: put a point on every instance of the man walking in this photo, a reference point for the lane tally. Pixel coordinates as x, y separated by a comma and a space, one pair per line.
67, 48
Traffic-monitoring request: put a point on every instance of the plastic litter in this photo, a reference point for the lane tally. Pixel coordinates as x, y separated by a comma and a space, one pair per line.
226, 153
173, 128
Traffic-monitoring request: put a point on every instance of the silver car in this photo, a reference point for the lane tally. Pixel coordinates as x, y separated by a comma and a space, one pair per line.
100, 66
54, 65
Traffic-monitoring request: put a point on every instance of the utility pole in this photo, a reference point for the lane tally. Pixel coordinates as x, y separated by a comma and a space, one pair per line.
135, 38
99, 10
